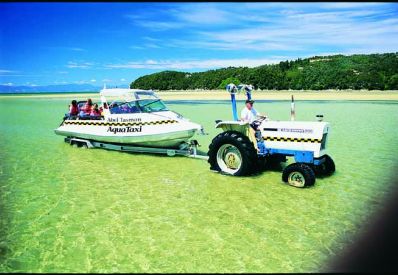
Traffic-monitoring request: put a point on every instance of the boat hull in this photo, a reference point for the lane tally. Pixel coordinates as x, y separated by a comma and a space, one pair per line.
146, 130
163, 140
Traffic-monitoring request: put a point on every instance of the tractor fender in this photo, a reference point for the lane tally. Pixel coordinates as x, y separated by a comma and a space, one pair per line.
242, 127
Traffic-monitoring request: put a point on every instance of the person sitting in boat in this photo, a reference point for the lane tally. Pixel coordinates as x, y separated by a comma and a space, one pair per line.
124, 109
73, 109
114, 108
102, 108
85, 111
95, 112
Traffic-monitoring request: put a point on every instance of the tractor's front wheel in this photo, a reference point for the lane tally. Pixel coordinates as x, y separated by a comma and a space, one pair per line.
232, 153
298, 175
326, 168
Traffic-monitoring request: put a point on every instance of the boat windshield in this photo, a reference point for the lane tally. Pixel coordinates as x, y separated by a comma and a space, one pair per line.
151, 105
124, 107
145, 106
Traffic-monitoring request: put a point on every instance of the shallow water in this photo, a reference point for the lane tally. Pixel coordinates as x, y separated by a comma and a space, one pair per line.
68, 209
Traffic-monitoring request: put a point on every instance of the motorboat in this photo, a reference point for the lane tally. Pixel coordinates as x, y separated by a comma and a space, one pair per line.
131, 117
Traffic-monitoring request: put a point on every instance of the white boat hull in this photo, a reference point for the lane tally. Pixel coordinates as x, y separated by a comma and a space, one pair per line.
149, 131
136, 118
166, 140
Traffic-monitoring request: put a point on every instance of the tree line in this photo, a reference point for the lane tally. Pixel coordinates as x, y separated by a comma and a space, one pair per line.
371, 72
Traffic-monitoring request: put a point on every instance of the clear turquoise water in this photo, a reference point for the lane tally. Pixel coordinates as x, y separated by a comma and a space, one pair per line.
66, 209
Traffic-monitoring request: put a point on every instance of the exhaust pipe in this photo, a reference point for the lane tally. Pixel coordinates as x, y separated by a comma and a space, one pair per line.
292, 110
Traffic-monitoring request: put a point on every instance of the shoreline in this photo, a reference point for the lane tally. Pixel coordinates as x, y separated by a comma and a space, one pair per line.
223, 95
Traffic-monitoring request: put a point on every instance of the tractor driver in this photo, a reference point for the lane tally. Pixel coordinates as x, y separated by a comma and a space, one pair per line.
249, 114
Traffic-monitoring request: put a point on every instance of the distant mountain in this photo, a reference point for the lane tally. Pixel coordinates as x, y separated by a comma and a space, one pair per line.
7, 89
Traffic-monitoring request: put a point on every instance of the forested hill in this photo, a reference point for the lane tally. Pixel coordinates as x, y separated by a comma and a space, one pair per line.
374, 71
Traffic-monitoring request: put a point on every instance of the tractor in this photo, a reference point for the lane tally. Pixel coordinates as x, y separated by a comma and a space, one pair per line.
244, 149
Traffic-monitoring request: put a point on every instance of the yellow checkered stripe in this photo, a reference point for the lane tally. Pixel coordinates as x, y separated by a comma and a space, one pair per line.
288, 139
98, 123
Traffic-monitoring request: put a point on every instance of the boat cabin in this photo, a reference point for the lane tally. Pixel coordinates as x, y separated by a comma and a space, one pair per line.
127, 101
124, 101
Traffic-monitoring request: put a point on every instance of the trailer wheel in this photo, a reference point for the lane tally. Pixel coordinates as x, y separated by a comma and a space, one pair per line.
79, 144
327, 168
74, 144
298, 175
232, 153
84, 146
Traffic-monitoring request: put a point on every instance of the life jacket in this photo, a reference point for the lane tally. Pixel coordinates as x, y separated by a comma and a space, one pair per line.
73, 110
87, 109
95, 112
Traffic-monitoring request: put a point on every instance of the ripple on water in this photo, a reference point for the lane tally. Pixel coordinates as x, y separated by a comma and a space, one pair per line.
75, 210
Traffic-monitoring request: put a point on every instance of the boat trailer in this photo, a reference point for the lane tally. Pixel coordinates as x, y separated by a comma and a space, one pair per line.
186, 149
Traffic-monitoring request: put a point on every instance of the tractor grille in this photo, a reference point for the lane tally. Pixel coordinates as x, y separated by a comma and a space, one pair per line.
323, 142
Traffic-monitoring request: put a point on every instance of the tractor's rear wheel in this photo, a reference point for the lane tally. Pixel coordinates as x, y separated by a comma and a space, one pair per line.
327, 168
232, 153
298, 175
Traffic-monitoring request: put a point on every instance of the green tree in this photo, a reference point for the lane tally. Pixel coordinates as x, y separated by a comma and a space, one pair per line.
374, 71
393, 82
227, 81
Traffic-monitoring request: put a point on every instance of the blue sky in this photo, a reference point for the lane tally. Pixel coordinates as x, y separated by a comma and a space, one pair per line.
114, 43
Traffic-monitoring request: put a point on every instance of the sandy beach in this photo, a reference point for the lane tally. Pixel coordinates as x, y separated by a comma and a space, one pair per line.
223, 95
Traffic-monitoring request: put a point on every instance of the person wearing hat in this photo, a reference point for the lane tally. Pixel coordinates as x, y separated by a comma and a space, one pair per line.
248, 113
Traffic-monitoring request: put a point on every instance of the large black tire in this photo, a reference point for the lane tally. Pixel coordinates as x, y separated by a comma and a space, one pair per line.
327, 168
238, 142
299, 175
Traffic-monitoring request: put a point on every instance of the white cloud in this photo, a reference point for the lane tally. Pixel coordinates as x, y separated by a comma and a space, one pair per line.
151, 39
349, 5
152, 45
265, 27
75, 49
183, 16
219, 43
83, 65
93, 80
196, 64
158, 25
137, 47
208, 14
7, 72
304, 31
